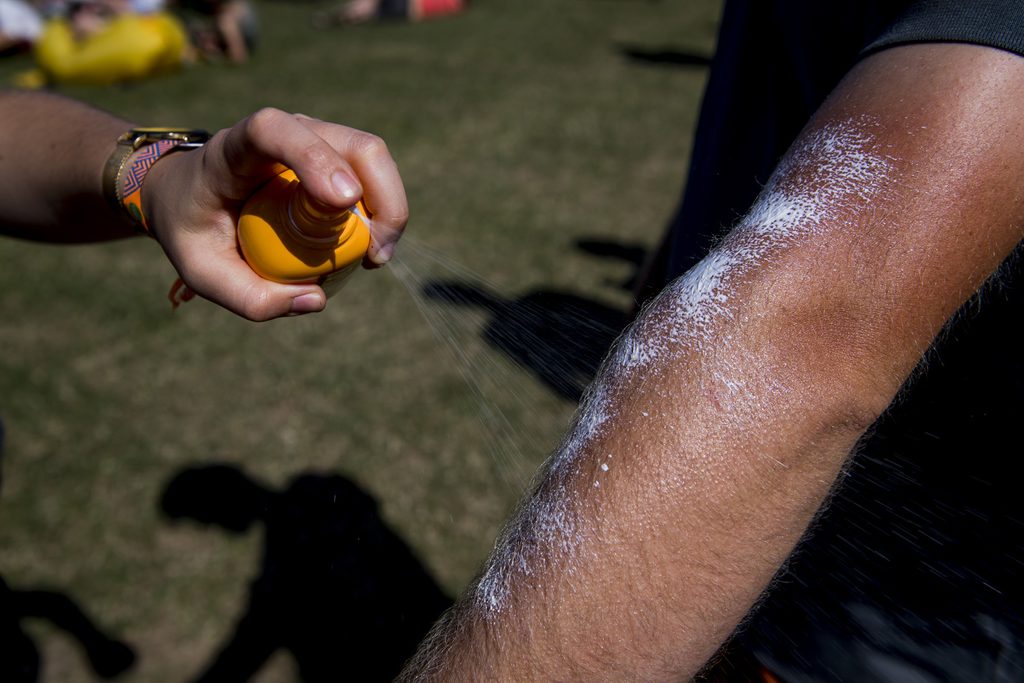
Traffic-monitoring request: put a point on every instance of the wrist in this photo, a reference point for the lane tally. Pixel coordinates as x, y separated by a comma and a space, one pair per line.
136, 152
163, 188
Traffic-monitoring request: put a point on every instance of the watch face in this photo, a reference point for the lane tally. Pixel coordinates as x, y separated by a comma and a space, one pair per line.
141, 136
160, 131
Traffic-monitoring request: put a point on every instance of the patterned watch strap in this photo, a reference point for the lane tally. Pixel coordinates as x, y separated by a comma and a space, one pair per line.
130, 191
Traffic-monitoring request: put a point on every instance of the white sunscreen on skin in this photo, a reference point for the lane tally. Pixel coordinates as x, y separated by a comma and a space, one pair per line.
838, 170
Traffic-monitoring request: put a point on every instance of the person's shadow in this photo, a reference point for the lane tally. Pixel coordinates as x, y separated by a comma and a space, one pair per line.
664, 56
337, 588
20, 661
560, 337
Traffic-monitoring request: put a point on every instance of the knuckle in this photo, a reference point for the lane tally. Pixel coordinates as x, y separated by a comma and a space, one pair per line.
262, 122
370, 145
314, 155
391, 214
401, 217
258, 306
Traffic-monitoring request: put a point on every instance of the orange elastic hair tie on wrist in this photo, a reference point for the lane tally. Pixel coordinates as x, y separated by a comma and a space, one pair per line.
135, 174
131, 199
126, 169
135, 152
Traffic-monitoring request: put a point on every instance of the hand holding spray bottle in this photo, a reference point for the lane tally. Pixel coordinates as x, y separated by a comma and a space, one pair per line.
287, 236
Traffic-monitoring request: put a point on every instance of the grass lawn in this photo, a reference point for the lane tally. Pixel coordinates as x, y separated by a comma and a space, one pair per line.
521, 128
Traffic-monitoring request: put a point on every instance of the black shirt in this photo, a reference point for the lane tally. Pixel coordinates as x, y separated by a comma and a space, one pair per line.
915, 571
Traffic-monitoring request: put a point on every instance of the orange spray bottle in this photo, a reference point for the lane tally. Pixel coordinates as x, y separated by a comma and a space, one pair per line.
287, 236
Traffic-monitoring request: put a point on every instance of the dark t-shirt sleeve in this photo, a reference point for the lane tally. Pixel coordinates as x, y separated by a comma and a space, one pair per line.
995, 23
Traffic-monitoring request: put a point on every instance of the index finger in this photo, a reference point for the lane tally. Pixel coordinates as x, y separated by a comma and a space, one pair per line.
383, 191
270, 140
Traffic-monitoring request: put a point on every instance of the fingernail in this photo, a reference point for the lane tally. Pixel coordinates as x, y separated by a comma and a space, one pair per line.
385, 252
345, 186
307, 303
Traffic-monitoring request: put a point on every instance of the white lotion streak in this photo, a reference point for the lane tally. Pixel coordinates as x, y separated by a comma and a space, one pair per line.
837, 170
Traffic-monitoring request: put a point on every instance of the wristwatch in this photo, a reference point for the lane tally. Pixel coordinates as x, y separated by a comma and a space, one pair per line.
117, 186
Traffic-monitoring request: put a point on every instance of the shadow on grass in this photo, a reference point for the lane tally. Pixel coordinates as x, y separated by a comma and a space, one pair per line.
665, 57
337, 588
560, 337
20, 661
633, 254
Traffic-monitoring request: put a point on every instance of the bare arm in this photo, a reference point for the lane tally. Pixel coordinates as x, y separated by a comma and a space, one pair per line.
229, 25
52, 153
721, 419
51, 169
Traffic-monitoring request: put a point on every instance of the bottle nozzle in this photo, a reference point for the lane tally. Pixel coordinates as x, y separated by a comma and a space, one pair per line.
315, 219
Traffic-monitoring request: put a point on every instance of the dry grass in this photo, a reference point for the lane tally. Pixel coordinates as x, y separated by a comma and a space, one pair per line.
520, 127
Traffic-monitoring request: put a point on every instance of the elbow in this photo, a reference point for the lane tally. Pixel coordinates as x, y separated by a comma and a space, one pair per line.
840, 349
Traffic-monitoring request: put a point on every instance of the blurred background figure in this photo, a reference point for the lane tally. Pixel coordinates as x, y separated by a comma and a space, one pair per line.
143, 6
362, 11
221, 29
20, 26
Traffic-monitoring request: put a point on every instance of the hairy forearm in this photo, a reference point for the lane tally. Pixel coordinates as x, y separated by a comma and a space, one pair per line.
640, 570
701, 454
54, 150
722, 417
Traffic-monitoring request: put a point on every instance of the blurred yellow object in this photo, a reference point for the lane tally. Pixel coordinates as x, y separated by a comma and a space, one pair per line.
129, 47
